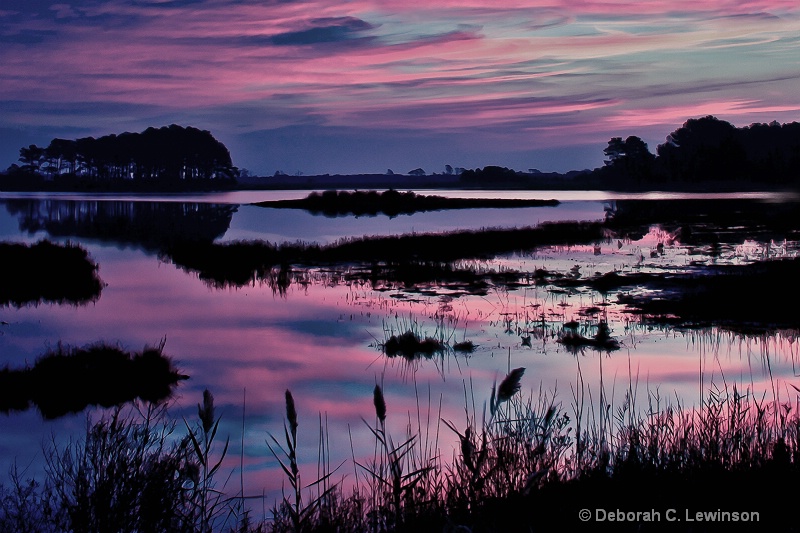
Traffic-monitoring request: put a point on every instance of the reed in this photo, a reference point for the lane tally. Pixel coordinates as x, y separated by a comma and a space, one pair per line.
208, 499
295, 515
398, 474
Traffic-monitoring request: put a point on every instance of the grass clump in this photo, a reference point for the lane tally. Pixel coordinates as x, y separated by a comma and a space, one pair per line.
413, 343
47, 272
126, 474
410, 345
69, 379
601, 340
464, 347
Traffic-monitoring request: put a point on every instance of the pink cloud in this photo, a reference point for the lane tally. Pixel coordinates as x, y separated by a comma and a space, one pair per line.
734, 110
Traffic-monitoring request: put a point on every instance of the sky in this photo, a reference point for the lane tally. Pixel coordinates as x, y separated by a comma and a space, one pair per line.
324, 86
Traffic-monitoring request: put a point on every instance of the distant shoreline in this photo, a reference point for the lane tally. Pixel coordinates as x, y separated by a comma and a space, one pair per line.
703, 155
575, 181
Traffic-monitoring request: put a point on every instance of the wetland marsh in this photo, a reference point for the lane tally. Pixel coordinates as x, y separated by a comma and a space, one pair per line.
607, 302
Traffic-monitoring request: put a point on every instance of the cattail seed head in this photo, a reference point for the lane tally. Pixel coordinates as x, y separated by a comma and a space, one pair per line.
206, 411
380, 403
291, 412
510, 385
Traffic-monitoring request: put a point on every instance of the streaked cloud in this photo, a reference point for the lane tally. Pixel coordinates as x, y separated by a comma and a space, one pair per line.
324, 31
564, 73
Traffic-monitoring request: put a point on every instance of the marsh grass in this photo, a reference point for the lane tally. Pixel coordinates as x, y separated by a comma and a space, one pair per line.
525, 462
125, 474
46, 272
399, 475
391, 203
208, 499
407, 338
409, 256
68, 379
601, 340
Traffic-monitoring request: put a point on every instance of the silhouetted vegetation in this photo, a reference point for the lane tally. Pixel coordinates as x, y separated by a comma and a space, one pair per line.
47, 272
703, 154
411, 343
240, 263
525, 464
601, 340
709, 150
740, 297
68, 380
168, 158
493, 173
129, 473
629, 159
392, 203
492, 176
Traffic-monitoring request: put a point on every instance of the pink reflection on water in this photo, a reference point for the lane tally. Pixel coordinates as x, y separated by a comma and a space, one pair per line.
322, 342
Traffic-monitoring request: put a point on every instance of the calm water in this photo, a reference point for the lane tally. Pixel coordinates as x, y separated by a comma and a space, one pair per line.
321, 337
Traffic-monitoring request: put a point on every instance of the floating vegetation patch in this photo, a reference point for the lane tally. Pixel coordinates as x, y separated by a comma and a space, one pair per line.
68, 380
601, 341
408, 339
47, 272
464, 347
393, 203
411, 346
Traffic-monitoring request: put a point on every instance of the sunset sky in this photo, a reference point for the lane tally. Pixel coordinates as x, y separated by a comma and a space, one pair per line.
322, 86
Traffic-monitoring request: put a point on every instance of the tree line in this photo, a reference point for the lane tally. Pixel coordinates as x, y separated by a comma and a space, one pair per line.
703, 150
156, 154
709, 149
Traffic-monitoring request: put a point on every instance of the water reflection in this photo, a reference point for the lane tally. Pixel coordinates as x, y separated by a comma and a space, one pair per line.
149, 225
314, 324
707, 223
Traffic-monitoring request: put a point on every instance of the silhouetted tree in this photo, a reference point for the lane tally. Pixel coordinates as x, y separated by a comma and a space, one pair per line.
703, 149
61, 156
629, 159
31, 157
491, 174
615, 151
772, 151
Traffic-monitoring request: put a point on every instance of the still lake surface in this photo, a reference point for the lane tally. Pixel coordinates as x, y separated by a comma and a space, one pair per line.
320, 334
